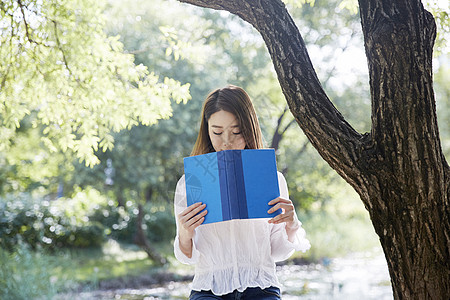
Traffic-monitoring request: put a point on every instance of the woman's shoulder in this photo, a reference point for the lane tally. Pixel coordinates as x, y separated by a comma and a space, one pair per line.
284, 192
182, 181
180, 192
281, 176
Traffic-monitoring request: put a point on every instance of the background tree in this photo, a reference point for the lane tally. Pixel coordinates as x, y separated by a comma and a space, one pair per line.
66, 87
61, 71
398, 169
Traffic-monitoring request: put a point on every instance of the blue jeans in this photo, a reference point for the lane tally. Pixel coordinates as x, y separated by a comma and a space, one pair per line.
256, 293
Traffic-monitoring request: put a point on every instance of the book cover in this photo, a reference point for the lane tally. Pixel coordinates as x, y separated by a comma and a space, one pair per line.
234, 184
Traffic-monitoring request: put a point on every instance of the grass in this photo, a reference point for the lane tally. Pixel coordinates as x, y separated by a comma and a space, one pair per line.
115, 264
111, 261
87, 268
26, 274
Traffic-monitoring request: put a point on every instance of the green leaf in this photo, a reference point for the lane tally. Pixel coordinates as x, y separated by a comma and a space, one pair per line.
350, 5
62, 70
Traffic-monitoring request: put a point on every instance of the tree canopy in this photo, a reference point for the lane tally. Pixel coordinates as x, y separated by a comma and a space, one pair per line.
66, 76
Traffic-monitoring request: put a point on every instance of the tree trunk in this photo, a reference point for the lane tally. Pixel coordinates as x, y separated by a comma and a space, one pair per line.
398, 169
405, 170
140, 237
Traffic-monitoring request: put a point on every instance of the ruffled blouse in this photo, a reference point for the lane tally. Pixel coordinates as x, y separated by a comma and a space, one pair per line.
237, 254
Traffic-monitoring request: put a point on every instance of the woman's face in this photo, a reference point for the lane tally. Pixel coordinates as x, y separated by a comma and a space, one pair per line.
224, 132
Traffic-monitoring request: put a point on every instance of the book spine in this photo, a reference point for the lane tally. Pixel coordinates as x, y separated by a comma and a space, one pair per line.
223, 181
241, 201
232, 185
233, 192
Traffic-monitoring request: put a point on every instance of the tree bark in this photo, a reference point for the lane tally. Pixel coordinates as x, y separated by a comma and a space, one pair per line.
398, 169
403, 162
140, 237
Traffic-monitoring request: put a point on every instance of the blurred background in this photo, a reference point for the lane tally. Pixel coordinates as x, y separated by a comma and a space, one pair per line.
92, 217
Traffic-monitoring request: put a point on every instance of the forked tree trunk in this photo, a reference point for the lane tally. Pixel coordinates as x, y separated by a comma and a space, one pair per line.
398, 169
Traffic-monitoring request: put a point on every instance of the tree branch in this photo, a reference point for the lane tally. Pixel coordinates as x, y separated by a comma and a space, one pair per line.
5, 75
336, 141
25, 21
277, 135
58, 44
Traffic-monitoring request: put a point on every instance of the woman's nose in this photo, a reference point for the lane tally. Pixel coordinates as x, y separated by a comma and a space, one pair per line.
227, 140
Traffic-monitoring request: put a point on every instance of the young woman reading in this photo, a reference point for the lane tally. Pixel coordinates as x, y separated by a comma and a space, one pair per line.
234, 259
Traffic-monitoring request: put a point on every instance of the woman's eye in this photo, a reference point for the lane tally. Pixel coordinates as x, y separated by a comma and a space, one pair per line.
236, 133
217, 133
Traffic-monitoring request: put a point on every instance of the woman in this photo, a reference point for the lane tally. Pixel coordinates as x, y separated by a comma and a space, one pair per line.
234, 259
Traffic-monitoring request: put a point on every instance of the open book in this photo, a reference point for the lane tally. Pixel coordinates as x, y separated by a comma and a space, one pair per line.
234, 184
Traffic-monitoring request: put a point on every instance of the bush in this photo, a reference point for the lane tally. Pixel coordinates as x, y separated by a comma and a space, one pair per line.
158, 222
49, 224
86, 220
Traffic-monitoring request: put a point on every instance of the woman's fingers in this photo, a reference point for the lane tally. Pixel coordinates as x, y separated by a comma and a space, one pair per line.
191, 211
196, 219
192, 216
287, 207
279, 199
194, 207
281, 218
282, 203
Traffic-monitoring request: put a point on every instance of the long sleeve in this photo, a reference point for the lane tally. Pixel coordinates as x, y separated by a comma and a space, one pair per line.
180, 204
281, 247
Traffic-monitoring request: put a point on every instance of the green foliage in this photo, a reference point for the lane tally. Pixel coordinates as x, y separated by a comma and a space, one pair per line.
25, 274
158, 221
441, 11
60, 223
85, 220
442, 92
147, 161
351, 5
27, 165
59, 67
160, 224
299, 3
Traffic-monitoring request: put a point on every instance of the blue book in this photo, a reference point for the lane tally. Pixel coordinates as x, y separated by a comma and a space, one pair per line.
234, 184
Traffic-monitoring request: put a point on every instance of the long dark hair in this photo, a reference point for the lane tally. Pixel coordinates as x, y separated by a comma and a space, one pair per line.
235, 100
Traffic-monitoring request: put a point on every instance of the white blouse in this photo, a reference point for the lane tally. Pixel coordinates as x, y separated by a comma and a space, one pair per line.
237, 254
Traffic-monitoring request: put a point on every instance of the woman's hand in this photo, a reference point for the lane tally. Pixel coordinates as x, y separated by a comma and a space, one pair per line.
191, 218
288, 214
